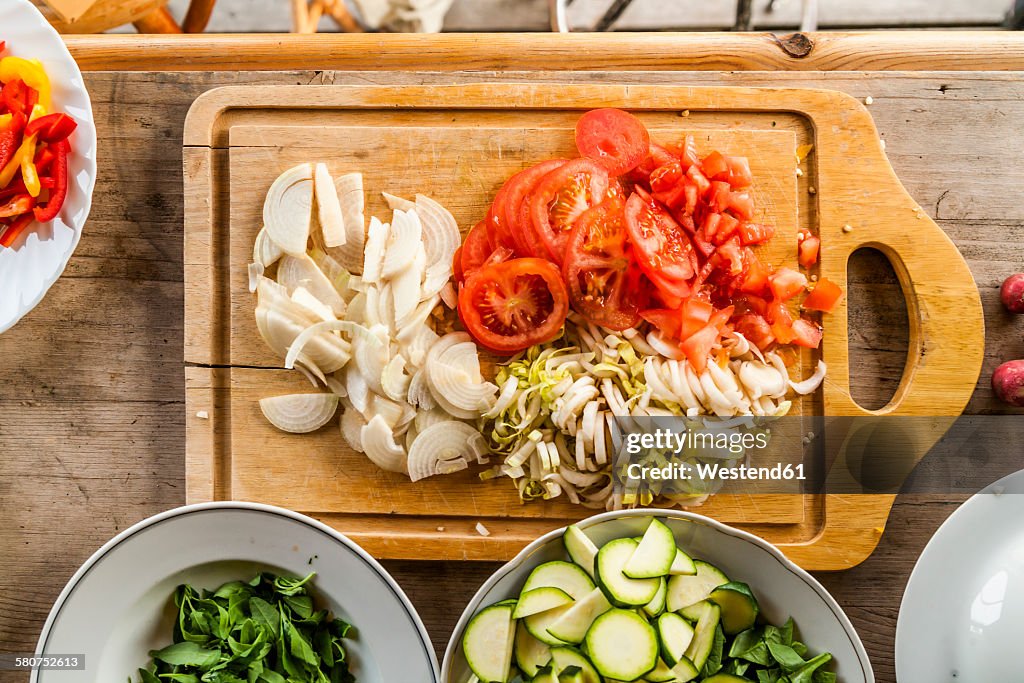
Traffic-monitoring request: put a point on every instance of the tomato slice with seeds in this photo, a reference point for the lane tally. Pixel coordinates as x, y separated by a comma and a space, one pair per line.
615, 139
516, 220
510, 306
599, 272
560, 197
662, 247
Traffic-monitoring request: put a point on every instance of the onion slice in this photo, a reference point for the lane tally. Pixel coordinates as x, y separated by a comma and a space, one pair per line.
288, 209
378, 442
441, 448
332, 224
299, 413
352, 200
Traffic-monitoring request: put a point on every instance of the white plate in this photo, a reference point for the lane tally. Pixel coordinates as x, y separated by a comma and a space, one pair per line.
118, 606
38, 257
962, 615
783, 589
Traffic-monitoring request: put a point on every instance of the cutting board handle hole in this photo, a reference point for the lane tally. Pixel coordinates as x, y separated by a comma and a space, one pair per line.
879, 328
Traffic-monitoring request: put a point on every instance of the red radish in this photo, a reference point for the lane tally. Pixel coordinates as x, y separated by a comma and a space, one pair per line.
1012, 293
1008, 382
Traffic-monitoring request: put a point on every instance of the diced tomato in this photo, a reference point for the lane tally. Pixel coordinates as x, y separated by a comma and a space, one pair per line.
755, 281
657, 156
703, 245
698, 179
755, 233
667, 321
808, 251
727, 227
739, 172
715, 166
666, 177
698, 346
824, 297
733, 254
694, 316
674, 197
710, 226
691, 193
806, 333
756, 330
750, 303
741, 204
786, 283
718, 196
781, 321
686, 151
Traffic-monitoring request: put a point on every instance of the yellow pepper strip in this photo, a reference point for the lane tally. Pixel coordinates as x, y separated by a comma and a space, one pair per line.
30, 73
7, 174
28, 167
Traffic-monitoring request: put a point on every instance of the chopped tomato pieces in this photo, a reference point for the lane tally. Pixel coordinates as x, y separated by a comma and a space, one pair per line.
806, 333
824, 297
808, 251
786, 283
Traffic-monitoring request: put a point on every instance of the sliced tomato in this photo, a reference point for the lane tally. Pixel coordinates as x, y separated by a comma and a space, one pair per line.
666, 320
824, 297
516, 211
497, 224
694, 316
715, 166
786, 283
510, 306
686, 151
560, 197
755, 233
662, 248
475, 249
807, 251
699, 346
657, 156
739, 172
602, 279
806, 333
667, 177
615, 139
756, 330
457, 266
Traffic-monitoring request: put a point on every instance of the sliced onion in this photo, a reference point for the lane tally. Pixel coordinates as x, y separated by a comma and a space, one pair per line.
370, 348
441, 449
419, 393
441, 237
379, 445
393, 380
352, 424
302, 297
406, 288
287, 210
264, 250
299, 413
314, 332
449, 296
397, 203
301, 271
404, 239
454, 379
376, 243
328, 353
358, 391
811, 383
332, 223
664, 348
352, 201
416, 347
255, 273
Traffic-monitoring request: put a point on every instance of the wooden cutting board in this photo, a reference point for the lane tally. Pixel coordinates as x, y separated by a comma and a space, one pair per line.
457, 144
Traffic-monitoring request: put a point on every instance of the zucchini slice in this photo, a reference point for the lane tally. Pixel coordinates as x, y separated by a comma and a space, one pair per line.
580, 548
655, 554
574, 623
674, 637
531, 654
563, 658
487, 643
660, 674
682, 565
540, 600
684, 671
622, 590
725, 678
657, 604
686, 590
539, 623
622, 645
572, 674
559, 574
704, 635
739, 606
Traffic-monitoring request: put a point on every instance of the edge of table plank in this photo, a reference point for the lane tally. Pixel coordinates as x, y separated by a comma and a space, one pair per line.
823, 51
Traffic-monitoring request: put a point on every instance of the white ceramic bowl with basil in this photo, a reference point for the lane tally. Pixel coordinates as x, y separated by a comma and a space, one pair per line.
614, 545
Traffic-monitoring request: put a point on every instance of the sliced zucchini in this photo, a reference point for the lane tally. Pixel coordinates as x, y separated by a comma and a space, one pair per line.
622, 590
546, 674
531, 654
693, 612
563, 658
509, 601
686, 590
572, 674
622, 645
661, 673
580, 548
684, 671
739, 606
704, 635
487, 643
674, 637
558, 574
657, 604
574, 623
725, 678
655, 553
540, 600
682, 565
539, 623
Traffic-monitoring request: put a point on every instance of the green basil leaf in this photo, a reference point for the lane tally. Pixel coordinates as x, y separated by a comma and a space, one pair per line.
270, 676
181, 678
768, 675
186, 654
147, 676
287, 585
266, 615
301, 606
786, 656
301, 648
821, 676
805, 674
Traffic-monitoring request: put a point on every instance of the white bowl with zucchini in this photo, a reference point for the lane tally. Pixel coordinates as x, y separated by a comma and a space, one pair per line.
658, 596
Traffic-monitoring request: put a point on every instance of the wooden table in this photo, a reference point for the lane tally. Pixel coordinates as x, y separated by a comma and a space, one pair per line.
92, 401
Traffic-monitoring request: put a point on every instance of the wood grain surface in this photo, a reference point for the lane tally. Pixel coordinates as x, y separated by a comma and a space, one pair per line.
458, 144
92, 413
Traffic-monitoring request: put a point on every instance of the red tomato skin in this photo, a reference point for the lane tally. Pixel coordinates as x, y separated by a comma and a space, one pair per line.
741, 205
698, 347
475, 249
698, 179
657, 156
694, 316
662, 247
756, 330
807, 251
590, 184
666, 177
806, 333
727, 227
755, 233
824, 297
786, 283
718, 196
739, 172
612, 138
666, 320
518, 222
715, 166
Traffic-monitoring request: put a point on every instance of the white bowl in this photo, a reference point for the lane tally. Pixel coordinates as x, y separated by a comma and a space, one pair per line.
38, 257
782, 588
118, 606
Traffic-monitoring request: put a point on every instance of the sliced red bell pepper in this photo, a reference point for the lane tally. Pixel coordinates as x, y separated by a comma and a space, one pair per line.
59, 191
17, 205
9, 139
52, 127
14, 229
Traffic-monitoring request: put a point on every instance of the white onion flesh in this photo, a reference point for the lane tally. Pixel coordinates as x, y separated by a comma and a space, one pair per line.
379, 445
404, 239
441, 448
396, 203
302, 271
352, 201
332, 224
352, 424
264, 250
376, 243
299, 413
288, 209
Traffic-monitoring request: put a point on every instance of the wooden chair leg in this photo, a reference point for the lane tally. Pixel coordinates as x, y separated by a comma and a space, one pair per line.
198, 15
158, 21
